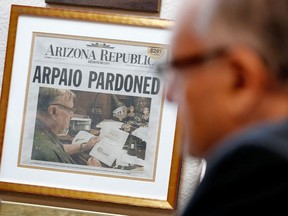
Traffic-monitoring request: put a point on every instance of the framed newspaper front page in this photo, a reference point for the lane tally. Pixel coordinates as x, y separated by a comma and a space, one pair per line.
83, 113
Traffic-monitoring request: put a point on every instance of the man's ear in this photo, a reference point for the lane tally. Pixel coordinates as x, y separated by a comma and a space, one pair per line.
250, 77
52, 110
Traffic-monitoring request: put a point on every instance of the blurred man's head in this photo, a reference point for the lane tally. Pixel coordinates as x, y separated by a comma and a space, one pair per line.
229, 67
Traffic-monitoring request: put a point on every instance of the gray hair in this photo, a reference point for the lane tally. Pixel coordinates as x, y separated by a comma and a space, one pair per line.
260, 24
48, 96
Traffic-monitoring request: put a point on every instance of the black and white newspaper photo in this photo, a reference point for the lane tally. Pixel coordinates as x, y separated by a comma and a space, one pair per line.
93, 106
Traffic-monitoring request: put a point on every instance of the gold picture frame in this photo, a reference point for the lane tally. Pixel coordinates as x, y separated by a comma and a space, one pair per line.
19, 178
24, 209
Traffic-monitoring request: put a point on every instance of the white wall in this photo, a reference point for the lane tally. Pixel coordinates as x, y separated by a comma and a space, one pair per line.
191, 167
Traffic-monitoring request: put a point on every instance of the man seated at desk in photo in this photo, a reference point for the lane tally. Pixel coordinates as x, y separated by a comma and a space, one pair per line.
54, 112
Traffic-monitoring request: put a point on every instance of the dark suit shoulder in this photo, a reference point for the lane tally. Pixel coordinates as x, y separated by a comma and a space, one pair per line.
247, 178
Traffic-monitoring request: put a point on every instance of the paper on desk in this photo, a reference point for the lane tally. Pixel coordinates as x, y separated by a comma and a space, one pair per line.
108, 123
142, 133
82, 137
110, 145
125, 159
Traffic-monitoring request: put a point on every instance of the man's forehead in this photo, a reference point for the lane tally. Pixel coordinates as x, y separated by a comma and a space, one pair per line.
186, 42
190, 30
196, 10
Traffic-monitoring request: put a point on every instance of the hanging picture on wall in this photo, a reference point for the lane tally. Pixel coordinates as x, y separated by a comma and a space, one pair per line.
136, 5
90, 109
